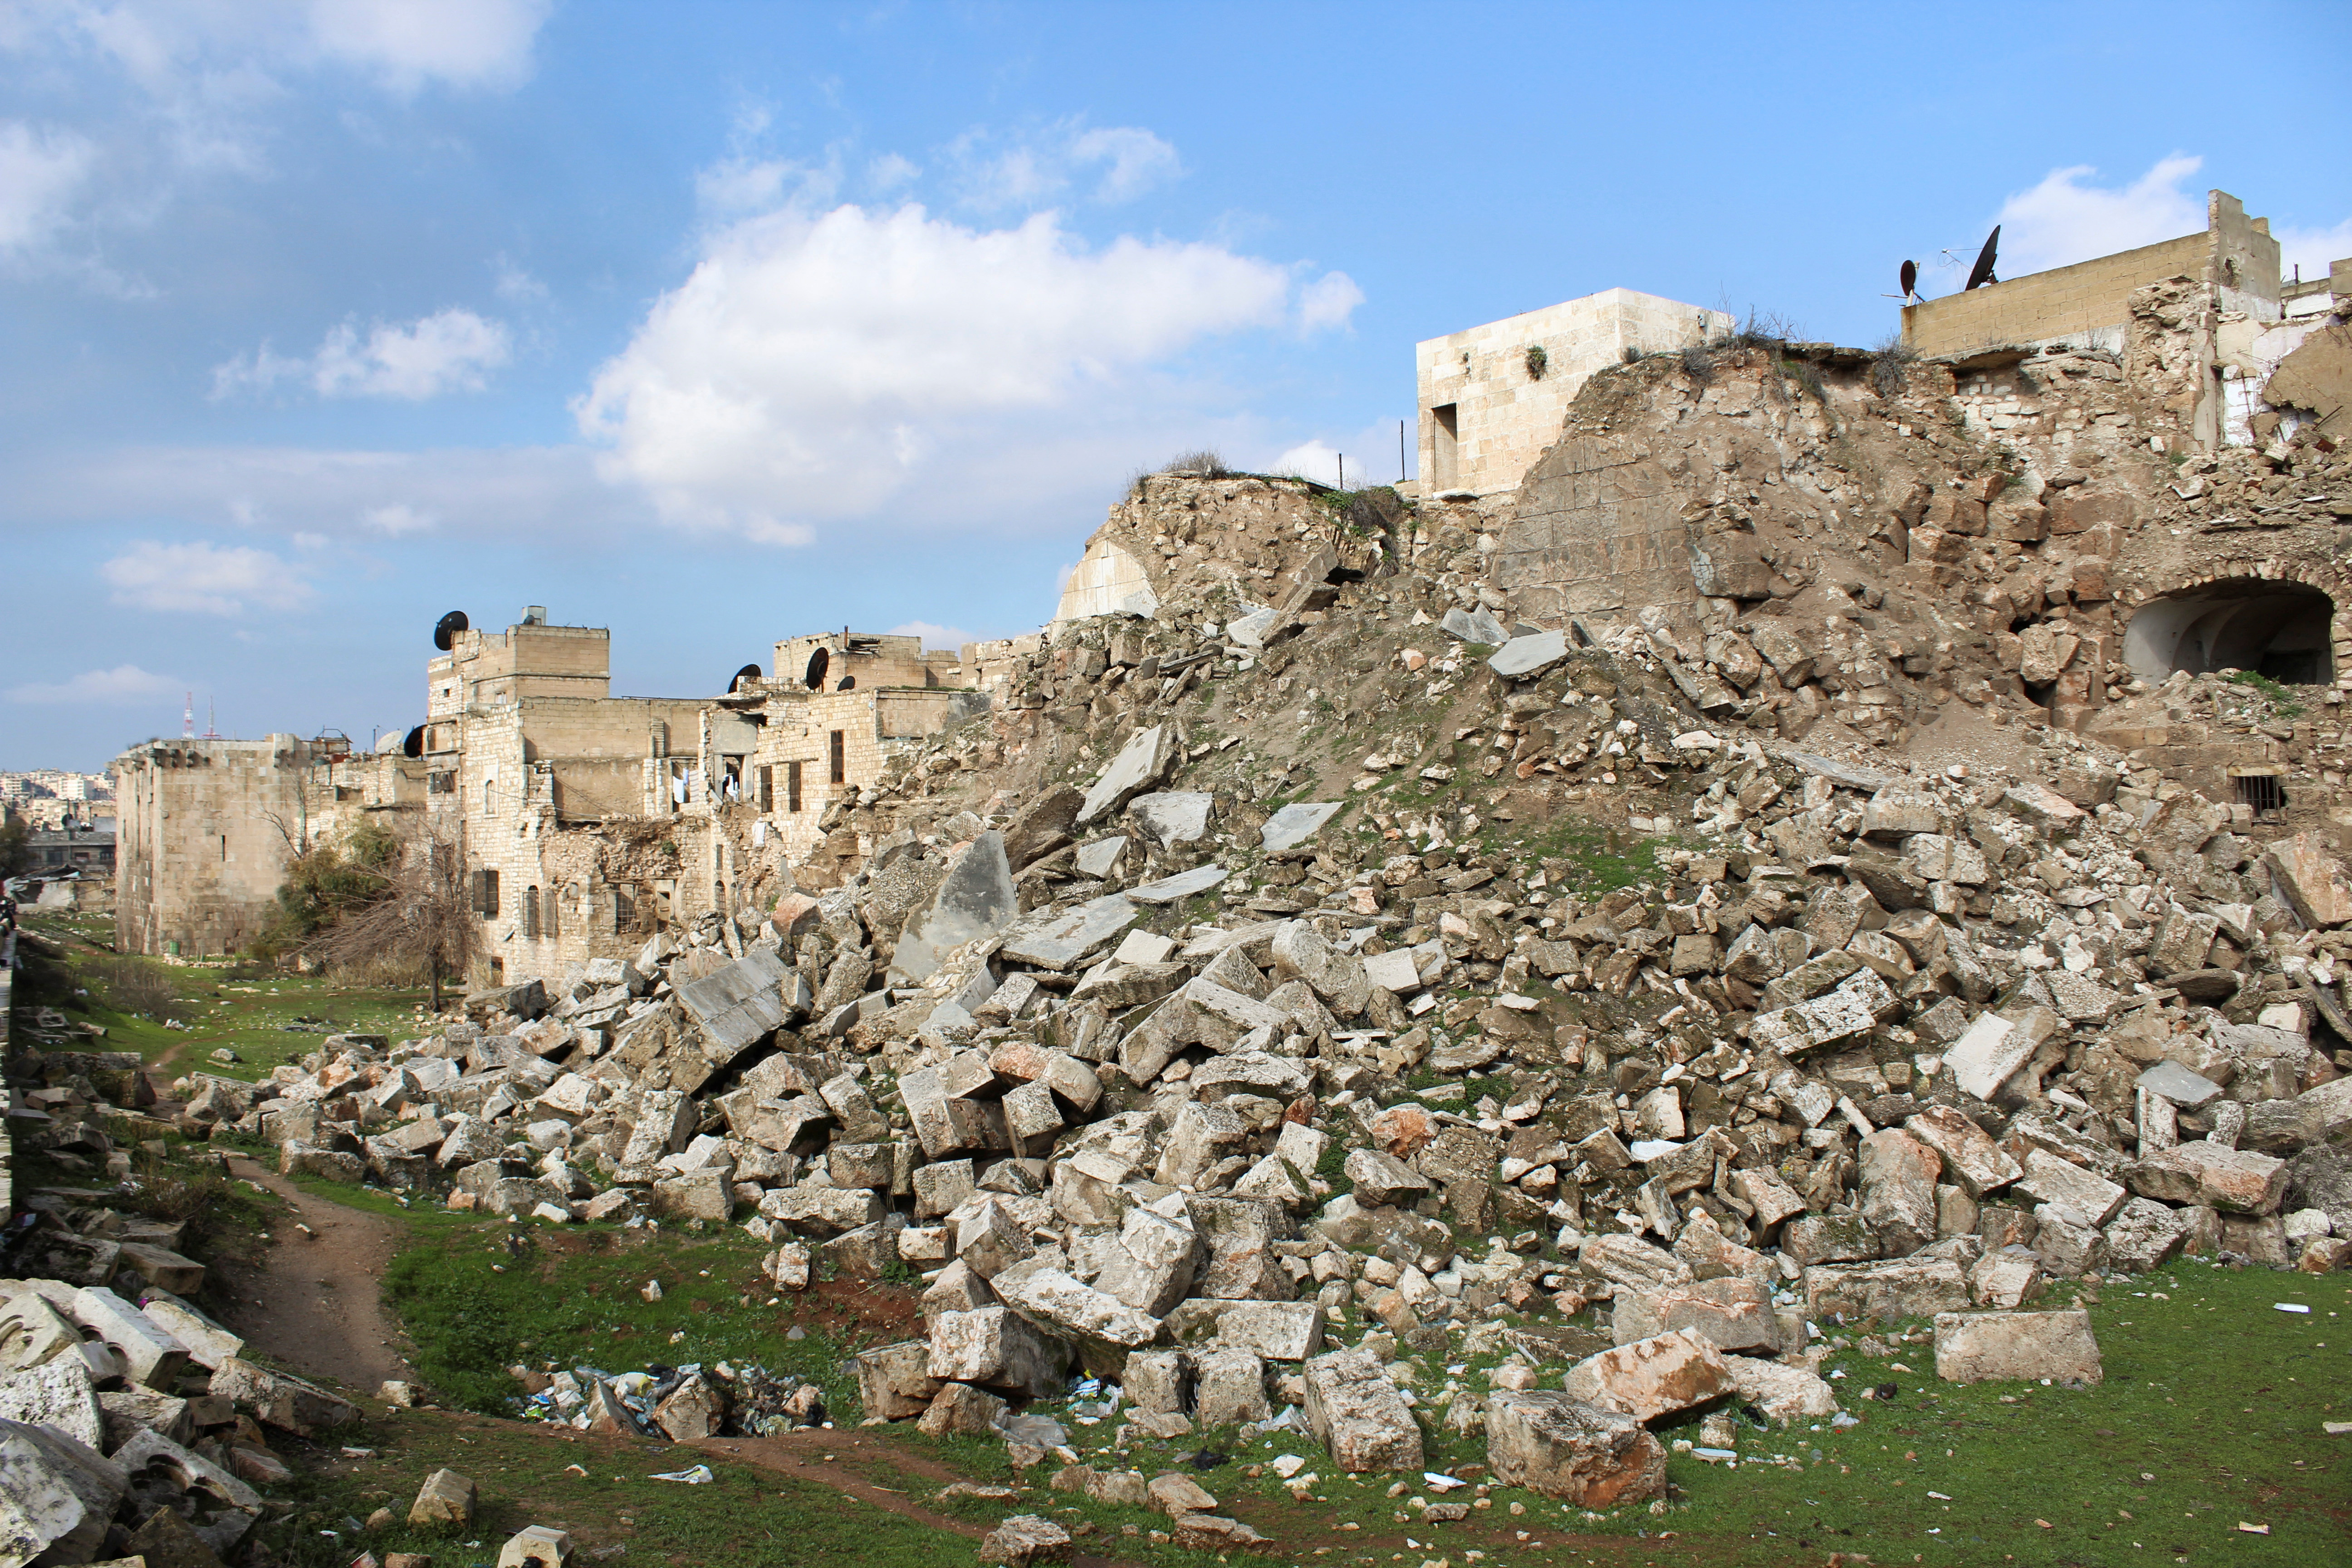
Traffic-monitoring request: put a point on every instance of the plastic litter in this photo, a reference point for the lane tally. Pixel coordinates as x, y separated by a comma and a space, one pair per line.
1441, 1483
2289, 1307
699, 1476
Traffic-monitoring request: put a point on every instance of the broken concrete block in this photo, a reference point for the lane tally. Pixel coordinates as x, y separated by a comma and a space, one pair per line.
996, 1346
153, 1357
1562, 1447
57, 1496
1976, 1347
536, 1546
1783, 1392
208, 1343
2051, 1180
1025, 1538
279, 1399
1278, 1330
2200, 1172
32, 1329
1143, 761
446, 1498
893, 1382
1972, 1161
1735, 1315
1359, 1415
224, 1506
961, 1410
2144, 1235
1994, 1047
2311, 880
126, 1413
59, 1393
1229, 1387
1652, 1377
1900, 1287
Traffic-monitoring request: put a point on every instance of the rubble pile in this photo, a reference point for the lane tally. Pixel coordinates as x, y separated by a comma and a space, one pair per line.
680, 1403
131, 1424
1897, 1043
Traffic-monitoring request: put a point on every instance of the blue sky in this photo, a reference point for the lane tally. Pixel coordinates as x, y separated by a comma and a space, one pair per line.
715, 324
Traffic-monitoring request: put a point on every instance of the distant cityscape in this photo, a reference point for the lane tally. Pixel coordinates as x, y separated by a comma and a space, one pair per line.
49, 798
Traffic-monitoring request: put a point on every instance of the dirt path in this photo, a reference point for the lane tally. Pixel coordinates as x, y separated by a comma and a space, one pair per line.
317, 1304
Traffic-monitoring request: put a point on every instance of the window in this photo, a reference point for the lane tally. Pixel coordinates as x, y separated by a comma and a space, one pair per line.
792, 786
839, 747
547, 913
486, 795
486, 894
624, 910
767, 789
530, 914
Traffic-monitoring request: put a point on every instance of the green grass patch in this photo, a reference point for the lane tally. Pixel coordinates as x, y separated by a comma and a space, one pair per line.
747, 1517
2281, 698
479, 1299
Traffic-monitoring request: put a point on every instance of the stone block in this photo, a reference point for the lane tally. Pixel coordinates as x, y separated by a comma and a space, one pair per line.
1652, 1377
1733, 1314
1978, 1347
1562, 1447
1359, 1415
2200, 1171
446, 1497
1899, 1287
895, 1381
2051, 1180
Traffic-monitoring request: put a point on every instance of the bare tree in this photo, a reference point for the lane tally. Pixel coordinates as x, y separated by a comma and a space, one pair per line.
422, 917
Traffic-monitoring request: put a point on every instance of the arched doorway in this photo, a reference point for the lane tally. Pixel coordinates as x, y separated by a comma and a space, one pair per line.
2278, 629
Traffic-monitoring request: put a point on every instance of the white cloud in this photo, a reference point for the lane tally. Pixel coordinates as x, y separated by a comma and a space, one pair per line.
125, 683
397, 519
204, 579
449, 351
407, 42
889, 172
1035, 167
2064, 220
950, 638
1328, 301
516, 286
814, 364
2311, 249
41, 169
1137, 160
1371, 454
361, 496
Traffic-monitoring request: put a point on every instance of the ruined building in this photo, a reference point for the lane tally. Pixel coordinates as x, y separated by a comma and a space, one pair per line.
2064, 501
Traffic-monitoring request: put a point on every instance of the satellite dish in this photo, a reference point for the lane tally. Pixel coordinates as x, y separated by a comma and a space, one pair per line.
1910, 279
819, 662
414, 746
1982, 273
847, 683
748, 672
445, 630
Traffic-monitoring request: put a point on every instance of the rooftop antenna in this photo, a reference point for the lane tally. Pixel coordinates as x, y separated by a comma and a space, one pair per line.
188, 718
212, 722
1982, 273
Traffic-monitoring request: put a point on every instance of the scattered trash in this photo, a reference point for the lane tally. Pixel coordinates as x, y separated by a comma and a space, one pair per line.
699, 1476
2289, 1306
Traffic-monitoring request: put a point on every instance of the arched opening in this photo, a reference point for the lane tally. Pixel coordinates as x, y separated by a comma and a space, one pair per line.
2276, 629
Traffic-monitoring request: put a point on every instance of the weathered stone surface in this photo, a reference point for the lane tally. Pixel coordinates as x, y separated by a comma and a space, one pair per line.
996, 1346
2200, 1171
1898, 1190
153, 1357
1143, 761
1652, 1377
961, 1410
1063, 1304
57, 1496
208, 1343
61, 1394
536, 1546
1783, 1392
1359, 1415
1562, 1447
1828, 1238
1382, 1179
1337, 977
1972, 1161
2051, 1180
976, 899
1995, 1046
1059, 939
1735, 1315
2143, 1234
823, 1211
1278, 1330
1977, 1347
446, 1498
1175, 890
895, 1381
1296, 824
2310, 878
1171, 817
1901, 1288
1524, 658
1024, 1539
739, 1004
1629, 1261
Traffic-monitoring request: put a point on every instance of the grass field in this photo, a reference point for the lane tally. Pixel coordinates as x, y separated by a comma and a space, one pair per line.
268, 1019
